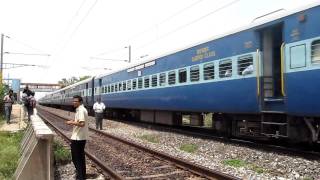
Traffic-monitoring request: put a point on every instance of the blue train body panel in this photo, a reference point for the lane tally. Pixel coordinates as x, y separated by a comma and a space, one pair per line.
303, 93
237, 96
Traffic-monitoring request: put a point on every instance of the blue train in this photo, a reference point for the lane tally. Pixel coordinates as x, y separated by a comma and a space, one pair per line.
260, 81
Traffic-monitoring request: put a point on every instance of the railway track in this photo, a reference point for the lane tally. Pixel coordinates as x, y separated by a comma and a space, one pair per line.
122, 159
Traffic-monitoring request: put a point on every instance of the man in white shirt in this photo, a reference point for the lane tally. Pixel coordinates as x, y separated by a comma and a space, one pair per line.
79, 137
99, 108
8, 101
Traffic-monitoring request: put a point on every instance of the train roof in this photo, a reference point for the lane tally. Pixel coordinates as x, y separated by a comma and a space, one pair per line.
71, 86
249, 26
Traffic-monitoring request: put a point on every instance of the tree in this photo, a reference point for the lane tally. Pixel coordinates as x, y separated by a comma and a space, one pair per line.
3, 90
67, 82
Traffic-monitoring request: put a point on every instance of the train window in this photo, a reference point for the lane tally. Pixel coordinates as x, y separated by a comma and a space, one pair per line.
162, 79
208, 71
124, 86
225, 68
112, 88
139, 83
171, 77
194, 73
108, 90
146, 82
134, 84
120, 86
154, 80
182, 75
315, 51
116, 88
129, 85
298, 56
245, 65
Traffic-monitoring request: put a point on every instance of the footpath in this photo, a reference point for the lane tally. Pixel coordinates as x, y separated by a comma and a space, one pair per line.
18, 120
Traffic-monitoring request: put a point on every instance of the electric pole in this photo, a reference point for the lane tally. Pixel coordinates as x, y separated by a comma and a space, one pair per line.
1, 56
129, 54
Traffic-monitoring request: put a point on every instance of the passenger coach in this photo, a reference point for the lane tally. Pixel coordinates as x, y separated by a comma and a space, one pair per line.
260, 81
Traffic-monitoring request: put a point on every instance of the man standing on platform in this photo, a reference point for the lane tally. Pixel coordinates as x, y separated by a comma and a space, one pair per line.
8, 101
99, 108
79, 137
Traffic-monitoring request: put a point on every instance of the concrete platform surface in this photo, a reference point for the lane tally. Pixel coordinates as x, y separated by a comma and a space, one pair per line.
17, 121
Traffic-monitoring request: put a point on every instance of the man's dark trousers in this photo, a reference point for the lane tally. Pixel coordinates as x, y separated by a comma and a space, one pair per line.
78, 157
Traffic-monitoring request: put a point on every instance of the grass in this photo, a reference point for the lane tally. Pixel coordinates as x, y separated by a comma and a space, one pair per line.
150, 138
235, 163
2, 120
62, 155
9, 153
240, 163
190, 148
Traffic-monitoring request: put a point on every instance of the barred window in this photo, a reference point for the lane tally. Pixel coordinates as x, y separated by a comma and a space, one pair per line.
139, 83
129, 85
182, 75
109, 88
112, 88
146, 82
194, 73
225, 68
208, 71
120, 86
134, 84
124, 86
245, 65
154, 80
116, 88
162, 79
315, 51
171, 77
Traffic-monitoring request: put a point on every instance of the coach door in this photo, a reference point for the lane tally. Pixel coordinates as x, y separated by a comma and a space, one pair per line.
271, 48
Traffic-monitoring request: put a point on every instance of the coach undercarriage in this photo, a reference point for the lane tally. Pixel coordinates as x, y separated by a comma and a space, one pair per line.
265, 126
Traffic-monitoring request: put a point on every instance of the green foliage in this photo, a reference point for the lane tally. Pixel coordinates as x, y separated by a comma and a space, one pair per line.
190, 148
9, 153
240, 163
149, 138
3, 90
66, 82
61, 154
307, 178
256, 168
235, 162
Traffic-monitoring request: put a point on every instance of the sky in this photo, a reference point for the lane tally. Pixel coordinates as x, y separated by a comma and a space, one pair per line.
74, 32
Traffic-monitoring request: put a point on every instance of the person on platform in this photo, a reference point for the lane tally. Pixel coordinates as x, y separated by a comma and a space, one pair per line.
79, 137
26, 93
99, 108
8, 101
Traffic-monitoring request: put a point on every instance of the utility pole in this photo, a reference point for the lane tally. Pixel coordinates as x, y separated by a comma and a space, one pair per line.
129, 54
1, 56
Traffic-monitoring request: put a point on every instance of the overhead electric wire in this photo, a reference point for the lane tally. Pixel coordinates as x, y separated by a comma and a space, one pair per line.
78, 26
26, 45
150, 28
28, 54
165, 20
192, 22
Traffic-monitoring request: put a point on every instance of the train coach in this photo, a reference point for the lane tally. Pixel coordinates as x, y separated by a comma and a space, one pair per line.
260, 81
